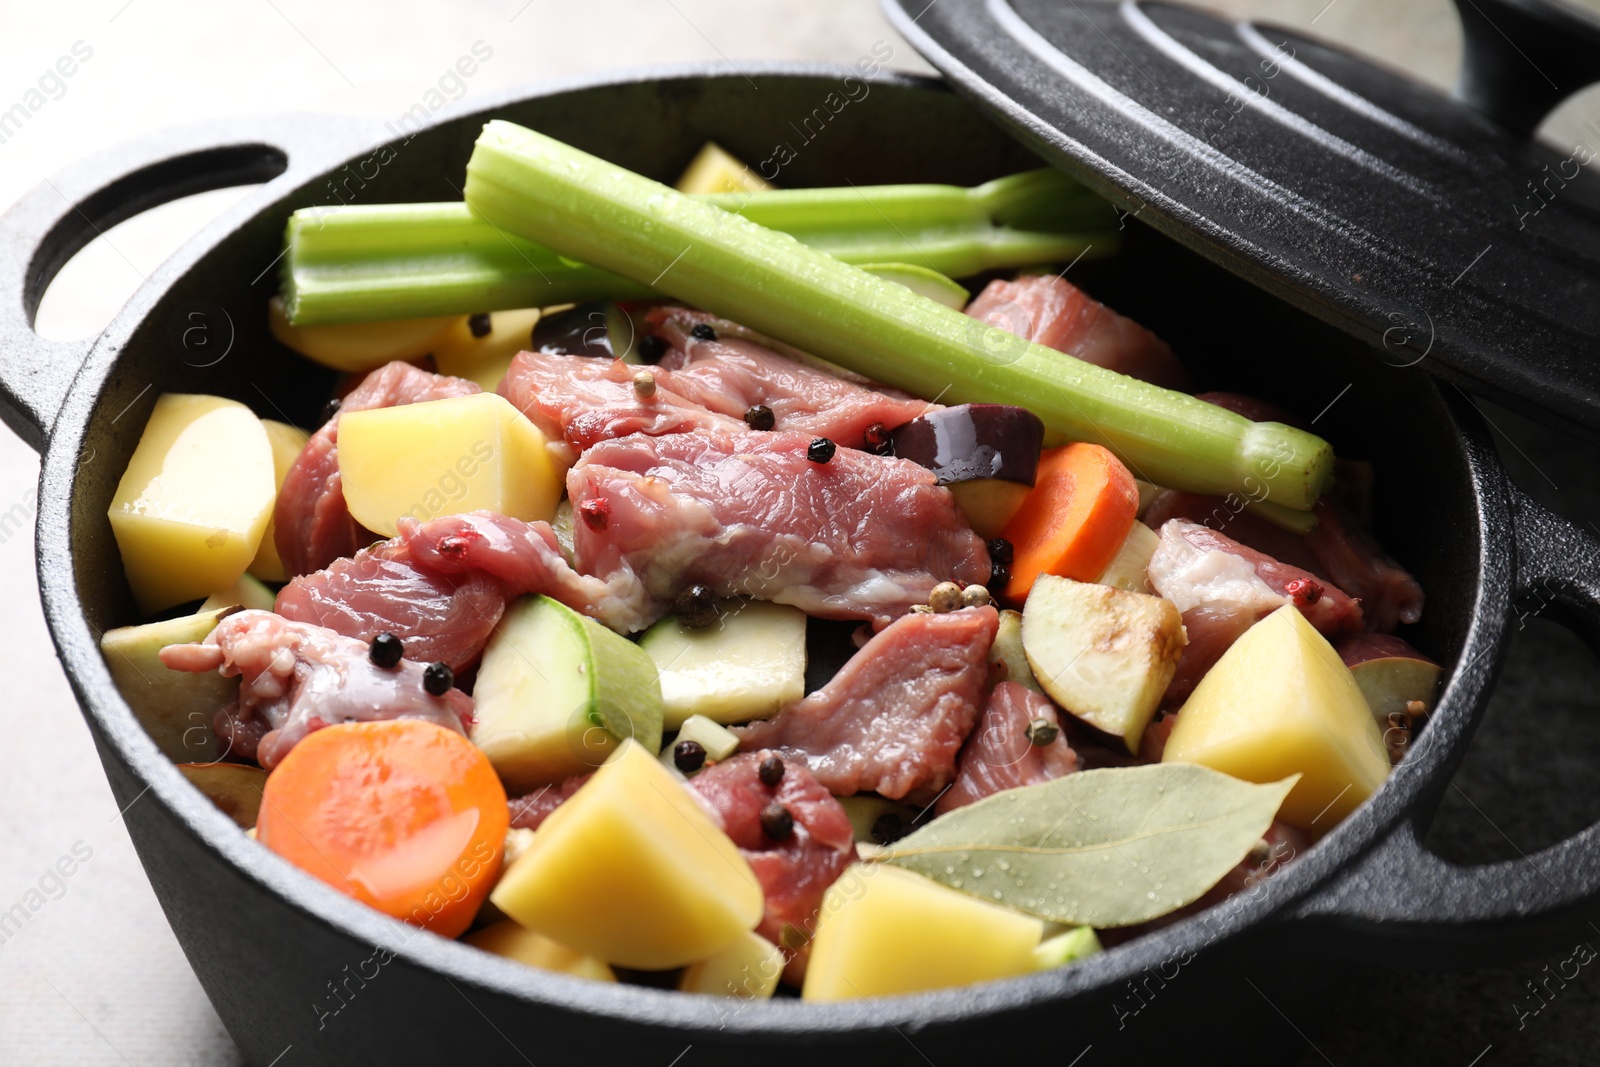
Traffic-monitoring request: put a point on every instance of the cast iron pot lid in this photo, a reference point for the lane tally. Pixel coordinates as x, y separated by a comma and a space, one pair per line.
1436, 229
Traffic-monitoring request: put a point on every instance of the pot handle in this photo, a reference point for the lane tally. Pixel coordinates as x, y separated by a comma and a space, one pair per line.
58, 217
1523, 57
1405, 903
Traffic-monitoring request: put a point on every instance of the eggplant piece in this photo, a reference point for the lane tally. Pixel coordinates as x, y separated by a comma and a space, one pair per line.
1393, 676
988, 454
600, 328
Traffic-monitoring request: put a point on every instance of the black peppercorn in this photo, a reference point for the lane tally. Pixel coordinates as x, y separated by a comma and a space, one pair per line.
696, 607
479, 324
999, 576
888, 828
438, 679
776, 822
330, 409
771, 771
760, 417
386, 651
703, 332
821, 450
689, 756
652, 348
1000, 550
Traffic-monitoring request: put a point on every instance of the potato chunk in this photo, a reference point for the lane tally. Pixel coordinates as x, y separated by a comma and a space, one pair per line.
1280, 702
446, 457
1104, 654
748, 969
633, 871
884, 930
287, 442
513, 942
194, 501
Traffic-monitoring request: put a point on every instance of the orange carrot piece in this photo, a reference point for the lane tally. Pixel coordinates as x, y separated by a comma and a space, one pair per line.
403, 815
1082, 506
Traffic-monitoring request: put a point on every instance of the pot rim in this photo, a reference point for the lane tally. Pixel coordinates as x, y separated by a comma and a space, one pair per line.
1404, 796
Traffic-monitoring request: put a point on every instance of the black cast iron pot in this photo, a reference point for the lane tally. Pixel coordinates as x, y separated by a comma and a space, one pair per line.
290, 964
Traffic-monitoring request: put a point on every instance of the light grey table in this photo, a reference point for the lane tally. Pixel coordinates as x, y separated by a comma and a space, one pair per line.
95, 976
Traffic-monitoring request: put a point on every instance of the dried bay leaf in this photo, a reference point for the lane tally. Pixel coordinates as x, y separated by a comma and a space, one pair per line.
1108, 847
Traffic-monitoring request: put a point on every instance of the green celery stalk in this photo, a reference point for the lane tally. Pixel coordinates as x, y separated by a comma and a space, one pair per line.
384, 261
529, 184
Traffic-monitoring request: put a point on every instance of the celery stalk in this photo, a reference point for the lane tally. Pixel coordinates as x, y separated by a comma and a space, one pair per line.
364, 262
529, 184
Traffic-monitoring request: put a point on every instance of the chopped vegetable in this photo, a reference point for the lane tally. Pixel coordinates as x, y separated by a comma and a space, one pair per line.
194, 501
360, 346
1127, 569
886, 931
1394, 677
1006, 655
1065, 948
426, 847
235, 788
247, 592
1103, 654
535, 187
378, 261
506, 938
878, 820
462, 352
174, 707
557, 692
446, 457
286, 441
1280, 702
988, 454
748, 969
1075, 520
633, 871
714, 170
718, 741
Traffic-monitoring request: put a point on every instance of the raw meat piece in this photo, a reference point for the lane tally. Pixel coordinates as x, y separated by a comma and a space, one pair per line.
297, 678
894, 719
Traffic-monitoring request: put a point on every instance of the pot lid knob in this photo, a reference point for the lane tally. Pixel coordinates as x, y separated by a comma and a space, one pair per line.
1523, 57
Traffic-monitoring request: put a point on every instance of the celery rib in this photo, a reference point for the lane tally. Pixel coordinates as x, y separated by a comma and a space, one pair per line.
364, 262
545, 191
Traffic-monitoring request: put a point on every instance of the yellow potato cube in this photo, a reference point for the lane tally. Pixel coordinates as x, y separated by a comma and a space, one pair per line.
633, 871
515, 943
884, 930
446, 457
486, 359
287, 441
716, 170
1280, 702
194, 501
359, 346
748, 969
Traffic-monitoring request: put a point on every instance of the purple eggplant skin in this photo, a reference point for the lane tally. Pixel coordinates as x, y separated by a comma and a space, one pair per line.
971, 441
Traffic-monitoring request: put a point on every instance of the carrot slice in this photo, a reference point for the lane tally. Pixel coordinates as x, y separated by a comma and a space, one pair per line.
1082, 506
403, 815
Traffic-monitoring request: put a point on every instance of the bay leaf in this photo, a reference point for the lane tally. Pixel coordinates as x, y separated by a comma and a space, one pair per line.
1108, 847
